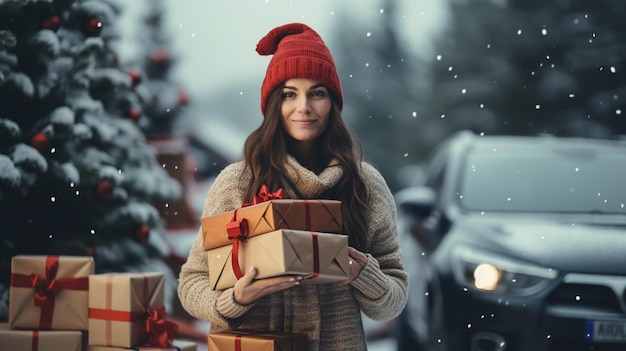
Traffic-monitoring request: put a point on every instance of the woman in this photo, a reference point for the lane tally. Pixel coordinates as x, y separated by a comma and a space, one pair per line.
304, 147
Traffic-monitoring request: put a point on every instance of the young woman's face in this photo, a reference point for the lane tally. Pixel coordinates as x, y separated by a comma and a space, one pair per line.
305, 108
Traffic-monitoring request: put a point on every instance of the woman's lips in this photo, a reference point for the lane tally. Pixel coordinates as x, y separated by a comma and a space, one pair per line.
304, 121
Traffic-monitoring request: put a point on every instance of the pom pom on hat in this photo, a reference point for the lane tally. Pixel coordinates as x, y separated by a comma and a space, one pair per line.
299, 52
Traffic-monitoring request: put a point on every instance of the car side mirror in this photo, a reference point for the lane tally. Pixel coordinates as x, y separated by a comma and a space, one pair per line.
417, 200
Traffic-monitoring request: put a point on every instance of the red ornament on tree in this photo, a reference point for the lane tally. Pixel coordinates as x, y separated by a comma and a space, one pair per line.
93, 27
39, 141
135, 78
160, 55
134, 113
53, 23
143, 234
183, 97
104, 189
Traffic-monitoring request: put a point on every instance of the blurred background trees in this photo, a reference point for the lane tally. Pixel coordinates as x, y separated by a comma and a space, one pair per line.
512, 67
527, 67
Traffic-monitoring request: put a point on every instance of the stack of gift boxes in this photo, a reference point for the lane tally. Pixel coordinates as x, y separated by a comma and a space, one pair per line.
278, 237
58, 303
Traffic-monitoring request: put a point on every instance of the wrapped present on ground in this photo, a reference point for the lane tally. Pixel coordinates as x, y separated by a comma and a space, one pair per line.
321, 257
177, 345
243, 340
40, 340
127, 310
49, 292
262, 217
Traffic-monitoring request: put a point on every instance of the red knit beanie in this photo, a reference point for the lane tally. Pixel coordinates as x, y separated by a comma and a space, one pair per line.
299, 52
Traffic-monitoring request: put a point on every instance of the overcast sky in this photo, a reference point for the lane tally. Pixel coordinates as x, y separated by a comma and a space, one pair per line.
216, 40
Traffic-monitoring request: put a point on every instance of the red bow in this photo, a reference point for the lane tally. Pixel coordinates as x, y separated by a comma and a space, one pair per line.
265, 195
46, 288
159, 332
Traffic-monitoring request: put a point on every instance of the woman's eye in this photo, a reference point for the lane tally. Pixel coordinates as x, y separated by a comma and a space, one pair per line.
318, 93
288, 95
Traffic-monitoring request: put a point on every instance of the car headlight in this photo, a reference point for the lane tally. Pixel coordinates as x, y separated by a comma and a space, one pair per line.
484, 271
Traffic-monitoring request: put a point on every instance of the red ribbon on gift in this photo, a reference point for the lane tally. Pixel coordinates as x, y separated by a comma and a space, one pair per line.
264, 194
114, 315
237, 230
238, 342
159, 332
316, 257
46, 288
34, 346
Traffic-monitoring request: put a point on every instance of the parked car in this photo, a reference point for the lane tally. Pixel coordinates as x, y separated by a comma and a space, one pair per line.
516, 243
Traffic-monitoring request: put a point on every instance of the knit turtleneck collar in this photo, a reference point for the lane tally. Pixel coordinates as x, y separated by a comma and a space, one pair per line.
312, 185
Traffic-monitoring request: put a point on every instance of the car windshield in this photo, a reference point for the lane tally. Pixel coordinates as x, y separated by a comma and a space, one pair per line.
544, 180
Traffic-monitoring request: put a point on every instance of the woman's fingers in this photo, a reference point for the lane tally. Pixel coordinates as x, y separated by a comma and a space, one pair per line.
248, 290
356, 261
240, 293
356, 255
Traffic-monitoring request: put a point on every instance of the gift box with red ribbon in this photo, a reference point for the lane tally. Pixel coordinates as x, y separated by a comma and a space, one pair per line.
49, 292
177, 345
268, 212
320, 257
127, 310
40, 340
244, 340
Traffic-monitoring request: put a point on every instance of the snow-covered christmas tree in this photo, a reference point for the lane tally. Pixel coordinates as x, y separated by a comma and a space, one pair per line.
77, 176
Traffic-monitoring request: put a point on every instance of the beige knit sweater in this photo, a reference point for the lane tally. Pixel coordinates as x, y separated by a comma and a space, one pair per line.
329, 314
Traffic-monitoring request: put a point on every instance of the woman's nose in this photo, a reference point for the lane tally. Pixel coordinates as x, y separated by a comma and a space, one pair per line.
304, 105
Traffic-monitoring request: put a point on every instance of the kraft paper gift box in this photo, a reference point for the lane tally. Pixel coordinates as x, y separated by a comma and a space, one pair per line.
315, 215
256, 341
177, 345
122, 306
49, 292
321, 257
40, 340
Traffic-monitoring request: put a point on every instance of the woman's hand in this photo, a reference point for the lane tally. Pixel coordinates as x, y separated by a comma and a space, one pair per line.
247, 290
357, 261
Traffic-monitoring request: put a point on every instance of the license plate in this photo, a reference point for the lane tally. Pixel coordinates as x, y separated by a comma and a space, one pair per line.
607, 331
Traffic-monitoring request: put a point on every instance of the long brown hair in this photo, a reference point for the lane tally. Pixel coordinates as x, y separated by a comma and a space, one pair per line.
265, 153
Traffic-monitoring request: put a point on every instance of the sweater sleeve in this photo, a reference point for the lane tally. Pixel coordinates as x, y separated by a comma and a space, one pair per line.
194, 290
381, 287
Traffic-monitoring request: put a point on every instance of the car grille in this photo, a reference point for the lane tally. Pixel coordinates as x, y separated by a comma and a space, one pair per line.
583, 295
588, 296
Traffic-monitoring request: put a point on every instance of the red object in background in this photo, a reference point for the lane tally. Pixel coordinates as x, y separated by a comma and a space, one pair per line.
39, 141
104, 189
143, 234
160, 55
183, 97
134, 113
172, 153
93, 27
53, 23
135, 77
